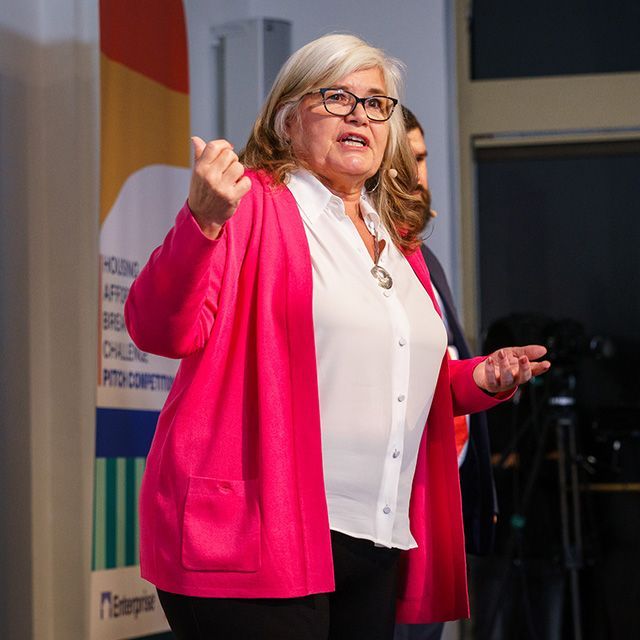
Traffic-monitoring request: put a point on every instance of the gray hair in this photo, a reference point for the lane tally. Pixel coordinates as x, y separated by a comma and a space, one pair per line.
319, 63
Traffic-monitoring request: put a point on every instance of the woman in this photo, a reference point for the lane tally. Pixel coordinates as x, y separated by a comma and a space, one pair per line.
294, 450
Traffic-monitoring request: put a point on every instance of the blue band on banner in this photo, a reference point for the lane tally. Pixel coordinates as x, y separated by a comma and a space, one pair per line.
124, 433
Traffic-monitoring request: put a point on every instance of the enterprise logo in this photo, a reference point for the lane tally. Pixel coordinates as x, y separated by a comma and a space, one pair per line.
116, 606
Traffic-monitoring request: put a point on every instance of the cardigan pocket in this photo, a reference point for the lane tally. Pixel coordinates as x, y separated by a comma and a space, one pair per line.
221, 525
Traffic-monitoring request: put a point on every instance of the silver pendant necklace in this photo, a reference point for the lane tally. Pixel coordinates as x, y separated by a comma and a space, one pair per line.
379, 273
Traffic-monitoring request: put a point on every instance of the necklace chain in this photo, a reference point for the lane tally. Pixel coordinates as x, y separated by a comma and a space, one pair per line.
381, 275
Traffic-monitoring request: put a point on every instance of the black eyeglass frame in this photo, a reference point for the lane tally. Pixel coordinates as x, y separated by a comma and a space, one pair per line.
362, 101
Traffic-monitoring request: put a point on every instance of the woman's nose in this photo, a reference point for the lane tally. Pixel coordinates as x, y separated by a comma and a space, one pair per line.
358, 114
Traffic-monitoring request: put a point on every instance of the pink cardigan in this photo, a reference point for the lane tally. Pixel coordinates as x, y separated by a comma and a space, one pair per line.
232, 501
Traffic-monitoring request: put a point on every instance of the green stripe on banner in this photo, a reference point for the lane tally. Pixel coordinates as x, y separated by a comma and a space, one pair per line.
121, 512
131, 512
99, 516
116, 526
111, 493
140, 465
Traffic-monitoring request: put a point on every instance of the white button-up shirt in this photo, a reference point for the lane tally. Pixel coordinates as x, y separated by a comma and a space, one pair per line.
378, 355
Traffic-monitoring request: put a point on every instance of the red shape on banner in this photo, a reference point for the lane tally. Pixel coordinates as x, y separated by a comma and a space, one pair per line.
148, 36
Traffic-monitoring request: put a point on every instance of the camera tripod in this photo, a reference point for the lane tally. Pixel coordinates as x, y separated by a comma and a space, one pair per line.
559, 420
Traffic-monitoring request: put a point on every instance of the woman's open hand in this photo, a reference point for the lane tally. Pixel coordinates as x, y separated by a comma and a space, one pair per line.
508, 367
217, 184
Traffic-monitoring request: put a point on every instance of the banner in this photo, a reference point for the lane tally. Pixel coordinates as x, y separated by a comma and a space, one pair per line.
145, 160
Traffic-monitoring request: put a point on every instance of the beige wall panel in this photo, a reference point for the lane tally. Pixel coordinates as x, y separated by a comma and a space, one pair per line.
48, 297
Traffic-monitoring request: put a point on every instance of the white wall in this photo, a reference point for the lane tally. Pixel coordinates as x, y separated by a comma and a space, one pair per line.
418, 32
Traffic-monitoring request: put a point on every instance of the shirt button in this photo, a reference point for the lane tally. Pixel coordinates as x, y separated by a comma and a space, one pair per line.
387, 510
401, 397
395, 453
402, 342
386, 293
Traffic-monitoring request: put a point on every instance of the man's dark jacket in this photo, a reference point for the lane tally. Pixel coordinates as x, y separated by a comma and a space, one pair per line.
479, 504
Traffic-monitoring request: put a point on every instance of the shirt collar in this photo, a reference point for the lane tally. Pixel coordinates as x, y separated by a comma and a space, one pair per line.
313, 198
370, 216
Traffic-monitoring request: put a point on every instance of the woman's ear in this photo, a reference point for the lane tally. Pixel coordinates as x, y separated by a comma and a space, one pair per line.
289, 124
295, 138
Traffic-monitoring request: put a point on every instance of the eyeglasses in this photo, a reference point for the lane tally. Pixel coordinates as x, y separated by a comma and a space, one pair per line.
339, 102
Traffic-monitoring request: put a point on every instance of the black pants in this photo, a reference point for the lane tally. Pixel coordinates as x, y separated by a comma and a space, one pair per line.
362, 606
432, 631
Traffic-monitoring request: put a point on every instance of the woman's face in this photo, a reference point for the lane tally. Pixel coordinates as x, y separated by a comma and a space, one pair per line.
342, 151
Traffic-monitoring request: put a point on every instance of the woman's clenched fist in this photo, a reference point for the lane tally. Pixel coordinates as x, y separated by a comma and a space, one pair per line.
217, 184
